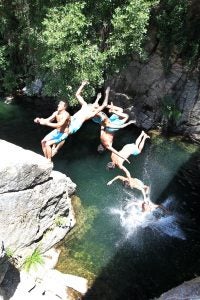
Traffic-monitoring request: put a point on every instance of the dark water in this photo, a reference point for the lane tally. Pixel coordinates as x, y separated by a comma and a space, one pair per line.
130, 260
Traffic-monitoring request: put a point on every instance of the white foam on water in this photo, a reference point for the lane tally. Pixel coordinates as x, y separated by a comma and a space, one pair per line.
163, 221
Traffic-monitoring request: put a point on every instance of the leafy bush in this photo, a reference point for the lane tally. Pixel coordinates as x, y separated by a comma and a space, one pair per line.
170, 110
33, 260
177, 23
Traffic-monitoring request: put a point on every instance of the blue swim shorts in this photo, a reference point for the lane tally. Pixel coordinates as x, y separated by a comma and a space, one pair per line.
114, 119
136, 151
58, 136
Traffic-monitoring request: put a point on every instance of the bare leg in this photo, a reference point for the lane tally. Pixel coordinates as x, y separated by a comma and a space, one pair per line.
43, 144
141, 144
57, 147
45, 140
49, 150
117, 153
138, 141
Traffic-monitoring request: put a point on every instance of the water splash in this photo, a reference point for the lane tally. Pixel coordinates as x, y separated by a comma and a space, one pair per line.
164, 221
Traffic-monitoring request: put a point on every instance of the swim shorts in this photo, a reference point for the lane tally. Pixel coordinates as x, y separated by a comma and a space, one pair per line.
75, 125
99, 119
58, 136
136, 151
114, 119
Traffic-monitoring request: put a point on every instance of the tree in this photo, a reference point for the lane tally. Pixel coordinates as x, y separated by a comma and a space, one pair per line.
65, 42
79, 45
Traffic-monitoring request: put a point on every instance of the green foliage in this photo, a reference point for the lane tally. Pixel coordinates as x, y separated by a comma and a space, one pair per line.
177, 24
70, 57
60, 221
33, 261
3, 62
129, 27
170, 110
9, 252
65, 42
78, 46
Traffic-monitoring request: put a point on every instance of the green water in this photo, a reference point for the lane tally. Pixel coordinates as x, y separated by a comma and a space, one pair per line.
120, 265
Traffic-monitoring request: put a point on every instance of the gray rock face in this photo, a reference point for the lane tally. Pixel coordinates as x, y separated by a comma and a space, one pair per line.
20, 170
32, 198
187, 290
146, 84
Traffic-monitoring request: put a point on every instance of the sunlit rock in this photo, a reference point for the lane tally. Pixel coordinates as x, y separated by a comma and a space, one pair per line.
32, 198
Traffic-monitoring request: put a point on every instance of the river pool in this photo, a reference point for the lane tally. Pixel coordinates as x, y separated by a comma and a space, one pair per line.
123, 254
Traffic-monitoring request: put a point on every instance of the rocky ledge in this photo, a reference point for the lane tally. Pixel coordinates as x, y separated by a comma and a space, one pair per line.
35, 204
35, 213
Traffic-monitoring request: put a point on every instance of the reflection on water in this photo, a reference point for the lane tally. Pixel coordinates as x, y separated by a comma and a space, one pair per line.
137, 250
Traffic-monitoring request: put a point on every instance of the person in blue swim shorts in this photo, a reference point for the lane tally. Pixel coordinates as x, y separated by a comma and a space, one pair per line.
125, 152
61, 127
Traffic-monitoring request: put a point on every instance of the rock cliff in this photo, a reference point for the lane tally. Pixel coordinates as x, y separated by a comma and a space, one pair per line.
35, 205
156, 98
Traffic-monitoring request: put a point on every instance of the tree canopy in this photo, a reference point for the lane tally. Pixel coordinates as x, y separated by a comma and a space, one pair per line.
64, 42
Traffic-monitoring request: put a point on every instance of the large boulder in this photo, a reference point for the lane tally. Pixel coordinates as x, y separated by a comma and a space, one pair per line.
21, 169
33, 200
187, 290
147, 86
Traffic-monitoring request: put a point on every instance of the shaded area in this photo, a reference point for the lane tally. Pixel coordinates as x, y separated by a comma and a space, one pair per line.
167, 262
10, 282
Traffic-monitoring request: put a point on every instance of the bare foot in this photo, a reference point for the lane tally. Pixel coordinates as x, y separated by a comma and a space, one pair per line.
146, 135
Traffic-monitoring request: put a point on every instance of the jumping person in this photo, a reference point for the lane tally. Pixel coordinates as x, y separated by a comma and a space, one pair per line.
109, 125
133, 183
61, 127
126, 151
86, 112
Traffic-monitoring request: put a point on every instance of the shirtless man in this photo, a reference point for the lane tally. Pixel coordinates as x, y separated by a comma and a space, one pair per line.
133, 183
86, 112
61, 127
126, 151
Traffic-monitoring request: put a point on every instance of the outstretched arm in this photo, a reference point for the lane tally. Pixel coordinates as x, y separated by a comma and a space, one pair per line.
105, 102
78, 93
51, 118
117, 153
110, 125
122, 178
128, 175
117, 111
97, 98
55, 125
